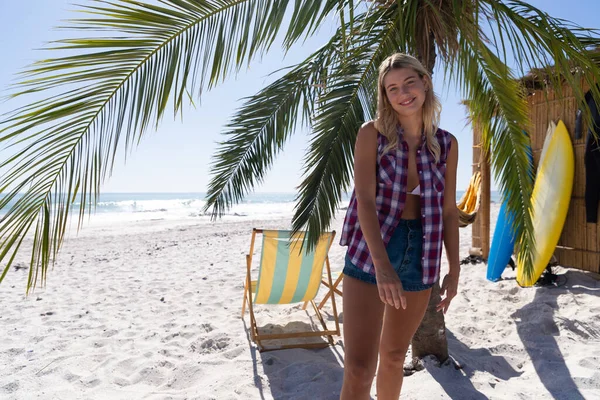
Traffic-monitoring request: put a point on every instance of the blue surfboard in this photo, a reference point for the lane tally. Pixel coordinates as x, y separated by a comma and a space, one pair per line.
503, 241
503, 244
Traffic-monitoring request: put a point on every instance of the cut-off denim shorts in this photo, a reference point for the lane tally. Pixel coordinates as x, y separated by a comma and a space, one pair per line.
405, 250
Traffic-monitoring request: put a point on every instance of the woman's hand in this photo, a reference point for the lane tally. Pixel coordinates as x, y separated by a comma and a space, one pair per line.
389, 286
449, 288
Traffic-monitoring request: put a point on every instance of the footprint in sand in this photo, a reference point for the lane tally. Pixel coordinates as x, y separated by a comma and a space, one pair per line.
592, 383
187, 334
11, 387
165, 364
171, 354
470, 331
211, 345
170, 337
128, 366
590, 363
91, 382
235, 352
511, 299
110, 333
121, 382
150, 336
149, 375
130, 334
13, 352
99, 344
184, 376
18, 368
69, 377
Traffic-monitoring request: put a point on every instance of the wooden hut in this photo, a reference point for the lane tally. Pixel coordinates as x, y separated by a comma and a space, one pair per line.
579, 244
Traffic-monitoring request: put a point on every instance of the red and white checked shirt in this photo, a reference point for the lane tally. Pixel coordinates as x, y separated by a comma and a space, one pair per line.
392, 177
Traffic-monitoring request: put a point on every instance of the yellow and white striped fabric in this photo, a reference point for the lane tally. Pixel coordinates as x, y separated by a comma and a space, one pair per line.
288, 273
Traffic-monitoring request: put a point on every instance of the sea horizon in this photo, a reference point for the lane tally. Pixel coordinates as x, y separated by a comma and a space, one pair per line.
128, 206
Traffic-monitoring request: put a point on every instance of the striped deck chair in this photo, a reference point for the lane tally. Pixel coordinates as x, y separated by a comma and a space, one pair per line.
288, 274
339, 277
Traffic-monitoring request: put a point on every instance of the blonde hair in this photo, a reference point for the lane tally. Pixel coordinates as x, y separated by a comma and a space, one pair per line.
387, 120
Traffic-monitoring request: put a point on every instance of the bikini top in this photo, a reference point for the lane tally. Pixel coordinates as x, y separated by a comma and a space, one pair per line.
416, 191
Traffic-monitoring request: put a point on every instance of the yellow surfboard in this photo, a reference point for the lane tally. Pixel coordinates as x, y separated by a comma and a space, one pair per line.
550, 199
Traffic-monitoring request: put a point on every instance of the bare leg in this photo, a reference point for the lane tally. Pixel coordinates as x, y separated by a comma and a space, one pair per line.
398, 328
363, 314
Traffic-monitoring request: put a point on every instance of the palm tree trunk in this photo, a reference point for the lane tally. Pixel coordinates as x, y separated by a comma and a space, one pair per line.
430, 338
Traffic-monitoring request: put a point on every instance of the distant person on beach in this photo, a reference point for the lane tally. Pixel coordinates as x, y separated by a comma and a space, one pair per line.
402, 209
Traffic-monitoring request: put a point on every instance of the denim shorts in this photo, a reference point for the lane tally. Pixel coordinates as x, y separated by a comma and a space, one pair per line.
405, 250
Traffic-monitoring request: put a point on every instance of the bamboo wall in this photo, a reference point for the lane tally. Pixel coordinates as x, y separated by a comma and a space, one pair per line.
480, 241
579, 244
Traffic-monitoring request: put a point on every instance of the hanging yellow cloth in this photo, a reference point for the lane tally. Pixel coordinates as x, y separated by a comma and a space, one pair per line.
468, 206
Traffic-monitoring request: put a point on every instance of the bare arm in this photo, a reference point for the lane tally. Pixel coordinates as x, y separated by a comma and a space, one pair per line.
450, 212
450, 224
365, 186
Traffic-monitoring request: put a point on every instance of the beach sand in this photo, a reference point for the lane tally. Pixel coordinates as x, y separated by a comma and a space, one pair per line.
151, 310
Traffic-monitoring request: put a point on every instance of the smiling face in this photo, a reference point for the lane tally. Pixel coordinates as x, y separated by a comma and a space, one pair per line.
405, 90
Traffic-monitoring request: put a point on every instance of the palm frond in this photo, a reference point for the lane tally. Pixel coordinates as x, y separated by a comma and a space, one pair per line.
498, 101
261, 127
539, 40
102, 99
259, 130
497, 106
349, 100
110, 91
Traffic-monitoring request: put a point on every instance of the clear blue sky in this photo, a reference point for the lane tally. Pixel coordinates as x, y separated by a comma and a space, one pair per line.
176, 158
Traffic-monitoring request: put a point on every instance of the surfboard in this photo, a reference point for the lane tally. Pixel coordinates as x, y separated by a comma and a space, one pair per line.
503, 240
503, 243
550, 200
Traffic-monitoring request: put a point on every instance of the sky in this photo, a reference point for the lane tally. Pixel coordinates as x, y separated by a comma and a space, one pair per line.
177, 156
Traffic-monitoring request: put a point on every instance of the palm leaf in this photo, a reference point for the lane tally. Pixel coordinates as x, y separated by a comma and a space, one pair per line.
349, 100
536, 39
497, 106
104, 97
260, 129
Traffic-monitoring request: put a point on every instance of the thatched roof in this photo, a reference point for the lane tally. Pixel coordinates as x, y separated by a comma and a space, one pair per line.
546, 77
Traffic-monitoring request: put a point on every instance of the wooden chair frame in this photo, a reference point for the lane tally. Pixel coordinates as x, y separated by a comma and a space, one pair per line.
328, 294
258, 338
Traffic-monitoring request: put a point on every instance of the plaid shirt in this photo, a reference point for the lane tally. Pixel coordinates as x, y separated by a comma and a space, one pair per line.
392, 177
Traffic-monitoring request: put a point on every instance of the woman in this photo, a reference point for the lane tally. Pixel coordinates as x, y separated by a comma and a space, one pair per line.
403, 207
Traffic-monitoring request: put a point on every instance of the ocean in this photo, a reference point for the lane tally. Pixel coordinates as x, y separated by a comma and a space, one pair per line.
148, 206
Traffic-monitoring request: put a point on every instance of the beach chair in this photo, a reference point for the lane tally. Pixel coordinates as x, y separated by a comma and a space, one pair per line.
338, 279
288, 274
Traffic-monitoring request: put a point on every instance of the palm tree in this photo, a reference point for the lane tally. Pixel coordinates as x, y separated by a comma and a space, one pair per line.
146, 57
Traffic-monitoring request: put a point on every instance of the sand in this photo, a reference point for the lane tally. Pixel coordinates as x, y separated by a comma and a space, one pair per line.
151, 310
